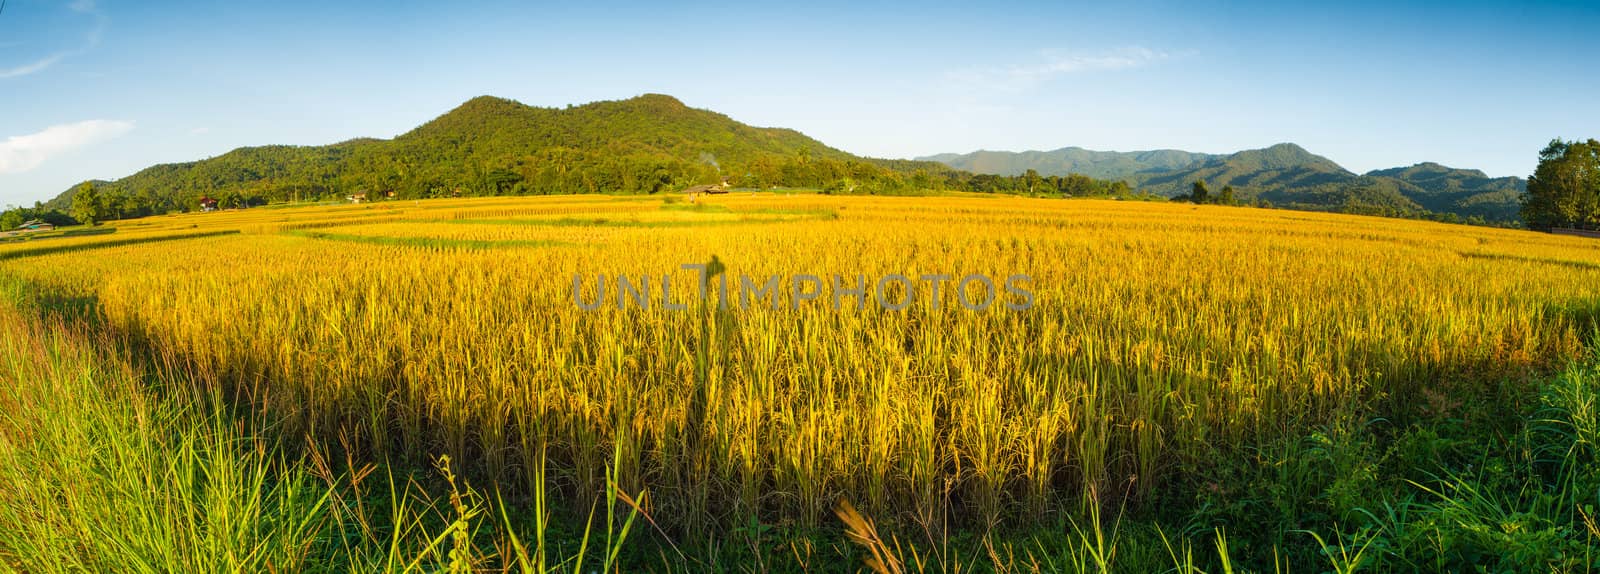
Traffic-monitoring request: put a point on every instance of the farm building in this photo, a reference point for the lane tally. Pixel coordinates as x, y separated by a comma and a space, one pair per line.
709, 189
357, 198
35, 225
208, 204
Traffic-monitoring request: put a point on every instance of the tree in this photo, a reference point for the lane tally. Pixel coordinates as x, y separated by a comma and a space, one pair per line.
1564, 190
1227, 195
232, 200
11, 219
87, 205
500, 181
16, 216
1031, 177
840, 186
1078, 184
1201, 194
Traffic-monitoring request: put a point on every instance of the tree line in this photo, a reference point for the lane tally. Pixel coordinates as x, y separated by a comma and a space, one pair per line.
259, 177
1201, 193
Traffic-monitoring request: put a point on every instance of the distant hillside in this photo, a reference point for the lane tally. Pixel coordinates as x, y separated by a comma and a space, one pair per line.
1271, 171
1096, 164
494, 146
654, 143
1461, 191
1281, 174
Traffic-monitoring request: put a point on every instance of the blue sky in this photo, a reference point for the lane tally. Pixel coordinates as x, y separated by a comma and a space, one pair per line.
103, 88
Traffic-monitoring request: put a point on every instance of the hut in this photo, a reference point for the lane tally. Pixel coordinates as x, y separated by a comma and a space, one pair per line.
208, 204
34, 226
707, 189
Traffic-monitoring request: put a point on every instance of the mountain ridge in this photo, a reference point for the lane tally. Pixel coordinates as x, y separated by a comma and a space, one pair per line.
652, 143
1283, 173
489, 145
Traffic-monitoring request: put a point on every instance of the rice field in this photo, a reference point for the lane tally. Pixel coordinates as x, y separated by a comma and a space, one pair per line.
1161, 339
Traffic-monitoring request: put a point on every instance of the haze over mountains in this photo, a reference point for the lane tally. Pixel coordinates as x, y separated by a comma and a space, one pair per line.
1284, 174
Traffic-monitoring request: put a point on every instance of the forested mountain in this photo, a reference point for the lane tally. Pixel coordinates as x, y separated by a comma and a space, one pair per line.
1096, 164
1464, 191
655, 143
494, 146
1279, 168
1284, 174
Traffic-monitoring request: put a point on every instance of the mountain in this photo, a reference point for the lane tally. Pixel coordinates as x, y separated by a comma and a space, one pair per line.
1281, 174
1463, 191
654, 143
494, 146
1096, 164
1269, 171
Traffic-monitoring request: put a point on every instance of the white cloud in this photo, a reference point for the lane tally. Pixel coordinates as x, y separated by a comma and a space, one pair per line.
26, 69
202, 130
90, 40
1018, 77
22, 153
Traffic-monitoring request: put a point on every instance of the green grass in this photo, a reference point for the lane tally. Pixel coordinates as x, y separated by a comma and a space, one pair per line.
58, 233
608, 222
109, 463
422, 242
100, 474
54, 248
